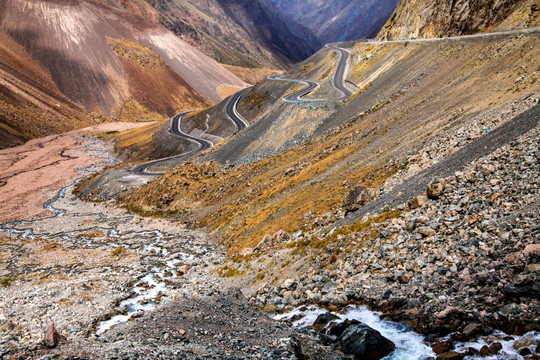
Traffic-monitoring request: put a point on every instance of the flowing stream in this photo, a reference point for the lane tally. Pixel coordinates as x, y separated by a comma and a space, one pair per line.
411, 345
162, 253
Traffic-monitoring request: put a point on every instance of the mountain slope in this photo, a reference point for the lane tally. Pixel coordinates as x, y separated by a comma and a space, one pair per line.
339, 20
414, 104
242, 33
425, 18
30, 104
73, 41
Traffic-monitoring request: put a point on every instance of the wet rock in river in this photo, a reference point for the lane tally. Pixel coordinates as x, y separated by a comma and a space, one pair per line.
363, 342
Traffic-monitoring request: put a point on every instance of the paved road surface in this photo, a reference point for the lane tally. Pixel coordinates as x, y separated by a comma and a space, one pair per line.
341, 69
142, 169
231, 110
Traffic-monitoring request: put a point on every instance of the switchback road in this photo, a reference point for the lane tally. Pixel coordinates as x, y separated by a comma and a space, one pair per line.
142, 169
338, 82
341, 69
231, 110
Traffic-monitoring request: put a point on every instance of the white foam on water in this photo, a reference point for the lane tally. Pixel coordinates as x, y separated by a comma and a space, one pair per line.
409, 345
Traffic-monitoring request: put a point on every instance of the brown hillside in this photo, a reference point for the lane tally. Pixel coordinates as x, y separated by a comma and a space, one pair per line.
68, 39
152, 82
30, 104
414, 105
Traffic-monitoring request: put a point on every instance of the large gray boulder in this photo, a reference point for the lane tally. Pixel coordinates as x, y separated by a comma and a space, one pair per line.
365, 343
357, 198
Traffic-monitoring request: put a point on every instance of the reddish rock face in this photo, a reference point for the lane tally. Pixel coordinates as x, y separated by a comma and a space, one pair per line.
52, 337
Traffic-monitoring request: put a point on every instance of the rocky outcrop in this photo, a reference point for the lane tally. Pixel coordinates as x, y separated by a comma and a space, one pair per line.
425, 19
365, 343
358, 197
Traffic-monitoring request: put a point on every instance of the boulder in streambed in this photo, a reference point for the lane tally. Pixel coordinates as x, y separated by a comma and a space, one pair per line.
363, 342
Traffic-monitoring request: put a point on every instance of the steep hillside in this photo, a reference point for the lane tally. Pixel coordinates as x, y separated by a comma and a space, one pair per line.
247, 34
414, 104
94, 55
424, 19
30, 104
339, 20
268, 26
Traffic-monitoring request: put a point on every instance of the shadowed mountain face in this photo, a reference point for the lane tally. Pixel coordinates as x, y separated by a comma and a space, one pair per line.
101, 56
339, 20
235, 32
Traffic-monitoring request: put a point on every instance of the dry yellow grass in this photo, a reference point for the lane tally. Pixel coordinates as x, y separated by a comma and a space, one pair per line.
252, 75
288, 190
225, 91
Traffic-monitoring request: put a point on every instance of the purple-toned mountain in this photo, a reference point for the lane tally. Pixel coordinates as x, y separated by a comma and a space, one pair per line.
339, 20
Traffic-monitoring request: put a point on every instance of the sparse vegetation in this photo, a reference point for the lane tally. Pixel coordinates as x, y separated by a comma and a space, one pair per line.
119, 251
6, 281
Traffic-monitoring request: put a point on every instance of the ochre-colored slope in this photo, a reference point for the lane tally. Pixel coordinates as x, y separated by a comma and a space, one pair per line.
422, 96
30, 103
70, 41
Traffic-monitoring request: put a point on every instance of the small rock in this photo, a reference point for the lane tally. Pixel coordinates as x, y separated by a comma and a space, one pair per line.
441, 348
426, 231
52, 337
418, 201
472, 330
451, 355
357, 198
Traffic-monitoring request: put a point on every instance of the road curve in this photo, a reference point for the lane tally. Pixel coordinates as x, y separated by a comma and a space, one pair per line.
339, 74
296, 96
142, 169
232, 112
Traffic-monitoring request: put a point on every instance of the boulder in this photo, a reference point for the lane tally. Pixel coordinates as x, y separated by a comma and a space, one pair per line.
451, 355
52, 337
339, 329
435, 190
357, 198
417, 201
269, 241
363, 342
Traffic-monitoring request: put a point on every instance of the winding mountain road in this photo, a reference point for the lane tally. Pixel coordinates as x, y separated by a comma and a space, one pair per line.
232, 112
338, 82
341, 70
295, 96
142, 169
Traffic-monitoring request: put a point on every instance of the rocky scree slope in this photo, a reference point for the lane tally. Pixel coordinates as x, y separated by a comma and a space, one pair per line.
425, 19
101, 57
339, 20
301, 159
467, 255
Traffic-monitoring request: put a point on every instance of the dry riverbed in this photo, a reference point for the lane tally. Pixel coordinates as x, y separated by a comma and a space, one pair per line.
116, 285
